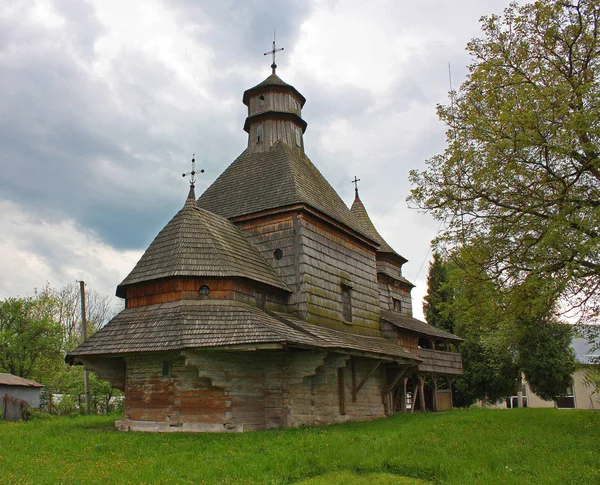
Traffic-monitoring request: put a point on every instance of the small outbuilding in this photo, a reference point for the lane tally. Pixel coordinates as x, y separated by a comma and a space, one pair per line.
16, 395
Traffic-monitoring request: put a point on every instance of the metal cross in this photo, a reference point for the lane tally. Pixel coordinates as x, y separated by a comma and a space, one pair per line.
192, 174
273, 51
355, 182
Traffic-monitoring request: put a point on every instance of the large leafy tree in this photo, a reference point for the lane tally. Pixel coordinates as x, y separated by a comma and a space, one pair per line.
521, 172
30, 337
505, 333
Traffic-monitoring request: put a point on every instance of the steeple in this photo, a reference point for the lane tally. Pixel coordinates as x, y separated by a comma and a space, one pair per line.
274, 113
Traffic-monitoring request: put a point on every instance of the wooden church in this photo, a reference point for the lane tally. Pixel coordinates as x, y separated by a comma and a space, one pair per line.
269, 303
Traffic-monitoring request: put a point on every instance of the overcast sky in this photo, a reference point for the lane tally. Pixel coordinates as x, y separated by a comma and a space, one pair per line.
103, 102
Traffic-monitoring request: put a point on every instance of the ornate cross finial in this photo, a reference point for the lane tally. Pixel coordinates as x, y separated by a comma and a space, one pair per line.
355, 182
273, 51
192, 174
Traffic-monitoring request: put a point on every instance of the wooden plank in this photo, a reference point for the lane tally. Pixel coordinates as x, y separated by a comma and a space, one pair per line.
342, 391
401, 372
362, 383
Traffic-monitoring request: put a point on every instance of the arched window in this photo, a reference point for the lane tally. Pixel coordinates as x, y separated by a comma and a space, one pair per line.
261, 100
259, 134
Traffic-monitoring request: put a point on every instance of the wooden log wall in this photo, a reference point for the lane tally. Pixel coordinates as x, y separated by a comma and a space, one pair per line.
183, 402
274, 100
274, 130
390, 290
243, 391
283, 232
331, 258
173, 289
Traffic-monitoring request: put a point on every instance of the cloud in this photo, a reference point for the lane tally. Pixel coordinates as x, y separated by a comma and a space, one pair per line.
37, 250
103, 102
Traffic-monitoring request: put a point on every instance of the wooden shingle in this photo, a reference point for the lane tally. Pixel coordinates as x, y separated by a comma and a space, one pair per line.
197, 242
277, 178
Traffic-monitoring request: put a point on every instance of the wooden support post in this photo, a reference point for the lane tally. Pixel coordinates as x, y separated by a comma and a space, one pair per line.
414, 397
401, 372
341, 391
450, 386
403, 401
364, 380
422, 394
353, 368
435, 403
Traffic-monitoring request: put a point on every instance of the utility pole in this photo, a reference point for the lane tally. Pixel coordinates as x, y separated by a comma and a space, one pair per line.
86, 374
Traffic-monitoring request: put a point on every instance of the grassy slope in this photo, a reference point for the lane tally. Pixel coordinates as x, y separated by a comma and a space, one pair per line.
457, 447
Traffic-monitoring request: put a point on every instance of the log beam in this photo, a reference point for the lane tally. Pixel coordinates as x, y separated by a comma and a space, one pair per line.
363, 381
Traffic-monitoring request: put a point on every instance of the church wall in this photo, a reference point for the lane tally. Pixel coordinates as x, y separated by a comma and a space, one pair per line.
183, 402
243, 391
174, 289
331, 259
272, 131
390, 290
279, 231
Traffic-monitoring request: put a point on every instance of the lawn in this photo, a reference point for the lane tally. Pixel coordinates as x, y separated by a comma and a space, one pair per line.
524, 446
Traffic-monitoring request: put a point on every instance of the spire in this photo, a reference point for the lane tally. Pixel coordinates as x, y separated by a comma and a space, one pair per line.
273, 51
355, 182
192, 174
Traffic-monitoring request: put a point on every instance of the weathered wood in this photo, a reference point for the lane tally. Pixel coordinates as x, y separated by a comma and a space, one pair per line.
422, 393
364, 380
404, 389
396, 379
435, 389
342, 391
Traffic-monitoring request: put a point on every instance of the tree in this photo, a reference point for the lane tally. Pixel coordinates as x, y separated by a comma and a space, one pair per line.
439, 296
546, 358
30, 338
505, 334
521, 172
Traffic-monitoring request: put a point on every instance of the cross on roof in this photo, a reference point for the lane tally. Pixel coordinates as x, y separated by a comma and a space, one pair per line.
355, 182
192, 174
273, 51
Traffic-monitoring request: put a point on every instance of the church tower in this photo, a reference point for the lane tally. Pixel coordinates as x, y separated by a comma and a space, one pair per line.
274, 113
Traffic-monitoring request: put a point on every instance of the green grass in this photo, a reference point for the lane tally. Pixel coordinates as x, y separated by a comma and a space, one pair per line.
524, 446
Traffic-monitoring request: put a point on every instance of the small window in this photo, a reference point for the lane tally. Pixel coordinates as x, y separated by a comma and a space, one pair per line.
397, 305
278, 254
261, 100
167, 368
259, 134
298, 137
204, 290
347, 303
260, 300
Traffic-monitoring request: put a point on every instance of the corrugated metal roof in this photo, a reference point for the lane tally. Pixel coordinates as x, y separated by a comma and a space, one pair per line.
197, 242
414, 325
11, 380
280, 177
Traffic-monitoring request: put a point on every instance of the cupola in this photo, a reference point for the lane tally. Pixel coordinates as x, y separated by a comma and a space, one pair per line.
274, 113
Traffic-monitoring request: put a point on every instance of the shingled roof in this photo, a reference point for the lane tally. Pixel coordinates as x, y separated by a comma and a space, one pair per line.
280, 177
197, 242
409, 323
186, 324
360, 213
272, 81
